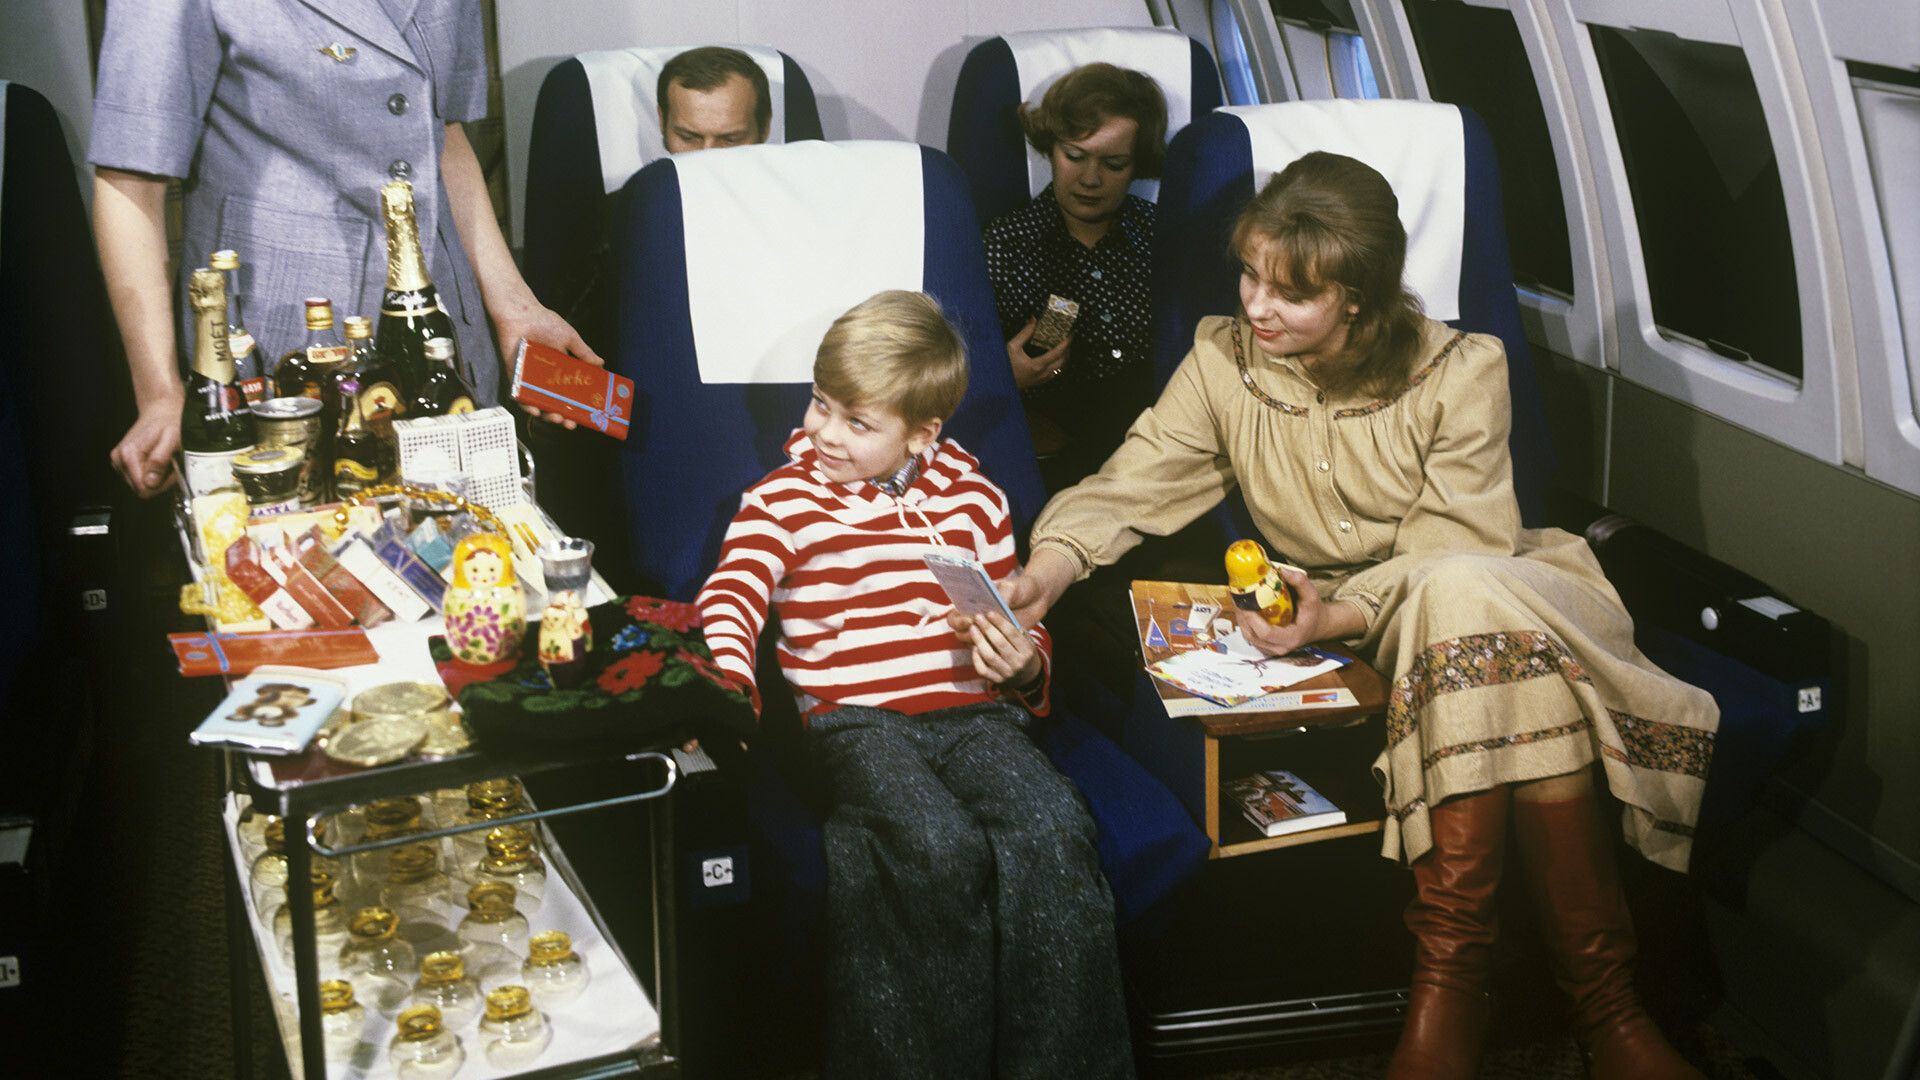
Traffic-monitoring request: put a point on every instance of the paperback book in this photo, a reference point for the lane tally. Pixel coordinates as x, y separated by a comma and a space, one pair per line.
1278, 803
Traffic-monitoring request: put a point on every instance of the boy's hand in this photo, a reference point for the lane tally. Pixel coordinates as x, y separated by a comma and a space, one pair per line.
1002, 654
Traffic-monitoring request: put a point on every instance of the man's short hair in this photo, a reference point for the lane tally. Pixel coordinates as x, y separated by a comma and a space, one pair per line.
1080, 101
896, 350
710, 65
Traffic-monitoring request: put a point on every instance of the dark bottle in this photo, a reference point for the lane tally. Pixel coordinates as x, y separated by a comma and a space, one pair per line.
312, 370
442, 391
215, 426
362, 457
380, 382
410, 313
247, 360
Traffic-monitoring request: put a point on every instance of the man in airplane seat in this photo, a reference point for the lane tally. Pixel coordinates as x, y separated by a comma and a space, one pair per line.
1085, 239
969, 930
713, 97
1370, 443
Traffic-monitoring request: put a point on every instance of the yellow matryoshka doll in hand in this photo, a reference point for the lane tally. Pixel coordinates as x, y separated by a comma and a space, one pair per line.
485, 608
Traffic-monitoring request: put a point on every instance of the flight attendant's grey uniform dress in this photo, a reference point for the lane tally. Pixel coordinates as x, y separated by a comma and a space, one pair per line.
283, 118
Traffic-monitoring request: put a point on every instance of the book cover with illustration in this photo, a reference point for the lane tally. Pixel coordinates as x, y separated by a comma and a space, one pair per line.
1278, 803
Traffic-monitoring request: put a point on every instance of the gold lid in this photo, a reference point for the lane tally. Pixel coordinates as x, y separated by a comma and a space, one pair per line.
373, 924
509, 843
392, 817
358, 327
549, 947
224, 259
418, 1023
319, 313
398, 699
411, 862
275, 836
508, 1002
336, 995
494, 798
442, 967
492, 901
269, 459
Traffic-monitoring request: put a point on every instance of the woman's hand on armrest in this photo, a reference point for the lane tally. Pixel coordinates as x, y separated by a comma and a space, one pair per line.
1313, 620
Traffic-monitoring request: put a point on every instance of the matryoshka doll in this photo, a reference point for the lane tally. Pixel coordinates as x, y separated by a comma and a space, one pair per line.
485, 607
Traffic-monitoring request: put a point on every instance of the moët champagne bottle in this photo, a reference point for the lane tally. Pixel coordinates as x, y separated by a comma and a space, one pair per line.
410, 312
215, 426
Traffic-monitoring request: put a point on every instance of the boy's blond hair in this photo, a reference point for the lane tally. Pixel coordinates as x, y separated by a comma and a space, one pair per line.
894, 350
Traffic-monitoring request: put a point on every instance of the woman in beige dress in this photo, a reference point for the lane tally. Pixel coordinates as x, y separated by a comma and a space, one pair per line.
1370, 444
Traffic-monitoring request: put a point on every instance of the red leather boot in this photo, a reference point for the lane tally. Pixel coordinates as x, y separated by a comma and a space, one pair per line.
1567, 857
1454, 923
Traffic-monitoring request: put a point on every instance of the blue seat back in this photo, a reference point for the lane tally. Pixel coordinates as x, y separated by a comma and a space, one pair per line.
1210, 179
983, 129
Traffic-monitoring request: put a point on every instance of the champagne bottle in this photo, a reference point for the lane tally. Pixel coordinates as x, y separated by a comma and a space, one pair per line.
1256, 584
240, 343
410, 313
380, 382
310, 370
442, 391
362, 457
215, 426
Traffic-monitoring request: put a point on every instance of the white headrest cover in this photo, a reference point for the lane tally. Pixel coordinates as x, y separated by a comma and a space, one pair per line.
1419, 146
1042, 56
782, 240
626, 116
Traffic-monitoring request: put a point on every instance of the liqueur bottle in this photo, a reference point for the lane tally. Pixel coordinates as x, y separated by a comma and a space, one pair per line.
423, 1048
555, 973
441, 392
514, 1031
246, 357
343, 1021
445, 985
310, 371
377, 959
362, 458
511, 859
410, 312
215, 426
1256, 584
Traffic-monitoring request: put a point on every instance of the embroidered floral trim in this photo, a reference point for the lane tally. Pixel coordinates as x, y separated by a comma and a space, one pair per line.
1246, 378
1413, 380
1473, 661
1559, 731
1675, 748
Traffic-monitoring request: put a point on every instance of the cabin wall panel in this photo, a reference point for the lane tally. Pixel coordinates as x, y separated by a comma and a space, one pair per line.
43, 45
1828, 539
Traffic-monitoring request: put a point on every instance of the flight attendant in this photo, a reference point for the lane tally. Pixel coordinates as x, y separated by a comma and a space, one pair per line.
282, 120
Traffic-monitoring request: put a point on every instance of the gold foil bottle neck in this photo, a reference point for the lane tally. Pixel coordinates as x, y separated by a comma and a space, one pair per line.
508, 1003
224, 259
406, 266
419, 1023
442, 967
373, 924
319, 313
359, 327
336, 996
549, 947
207, 293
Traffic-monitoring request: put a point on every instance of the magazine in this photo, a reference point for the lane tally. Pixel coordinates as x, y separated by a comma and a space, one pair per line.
1278, 803
1232, 671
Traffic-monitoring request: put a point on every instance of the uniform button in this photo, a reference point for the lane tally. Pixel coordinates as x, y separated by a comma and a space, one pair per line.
397, 104
1325, 465
400, 169
1346, 526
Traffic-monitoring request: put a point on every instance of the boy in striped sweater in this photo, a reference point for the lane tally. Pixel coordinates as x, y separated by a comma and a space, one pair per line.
970, 933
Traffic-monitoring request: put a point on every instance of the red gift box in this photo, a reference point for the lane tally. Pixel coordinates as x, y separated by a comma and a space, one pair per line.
552, 381
237, 654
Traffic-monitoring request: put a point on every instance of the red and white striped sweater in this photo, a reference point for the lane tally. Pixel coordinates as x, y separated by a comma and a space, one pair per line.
862, 620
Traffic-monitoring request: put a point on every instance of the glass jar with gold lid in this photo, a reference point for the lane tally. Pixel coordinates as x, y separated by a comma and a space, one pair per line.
445, 984
343, 1021
493, 918
423, 1048
415, 888
514, 1031
388, 819
377, 959
329, 923
511, 859
486, 800
554, 972
252, 830
267, 880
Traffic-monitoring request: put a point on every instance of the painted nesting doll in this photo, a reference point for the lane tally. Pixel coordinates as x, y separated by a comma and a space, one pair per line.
485, 607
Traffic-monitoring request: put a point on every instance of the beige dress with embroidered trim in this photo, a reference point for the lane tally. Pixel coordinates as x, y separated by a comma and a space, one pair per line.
1509, 654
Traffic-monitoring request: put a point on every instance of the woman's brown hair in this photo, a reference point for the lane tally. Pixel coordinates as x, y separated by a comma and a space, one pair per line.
1334, 221
1080, 101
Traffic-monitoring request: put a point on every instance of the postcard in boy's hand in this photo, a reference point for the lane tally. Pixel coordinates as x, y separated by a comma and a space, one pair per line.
275, 710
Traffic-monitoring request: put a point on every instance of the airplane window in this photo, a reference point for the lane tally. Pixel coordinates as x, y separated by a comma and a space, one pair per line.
1230, 47
1706, 193
1320, 13
1473, 57
1889, 103
1351, 67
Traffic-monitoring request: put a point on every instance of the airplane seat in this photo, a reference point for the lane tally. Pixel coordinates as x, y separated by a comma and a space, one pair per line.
734, 265
63, 399
1002, 73
595, 124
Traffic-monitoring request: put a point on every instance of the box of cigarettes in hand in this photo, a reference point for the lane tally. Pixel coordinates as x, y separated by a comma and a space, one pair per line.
1053, 325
